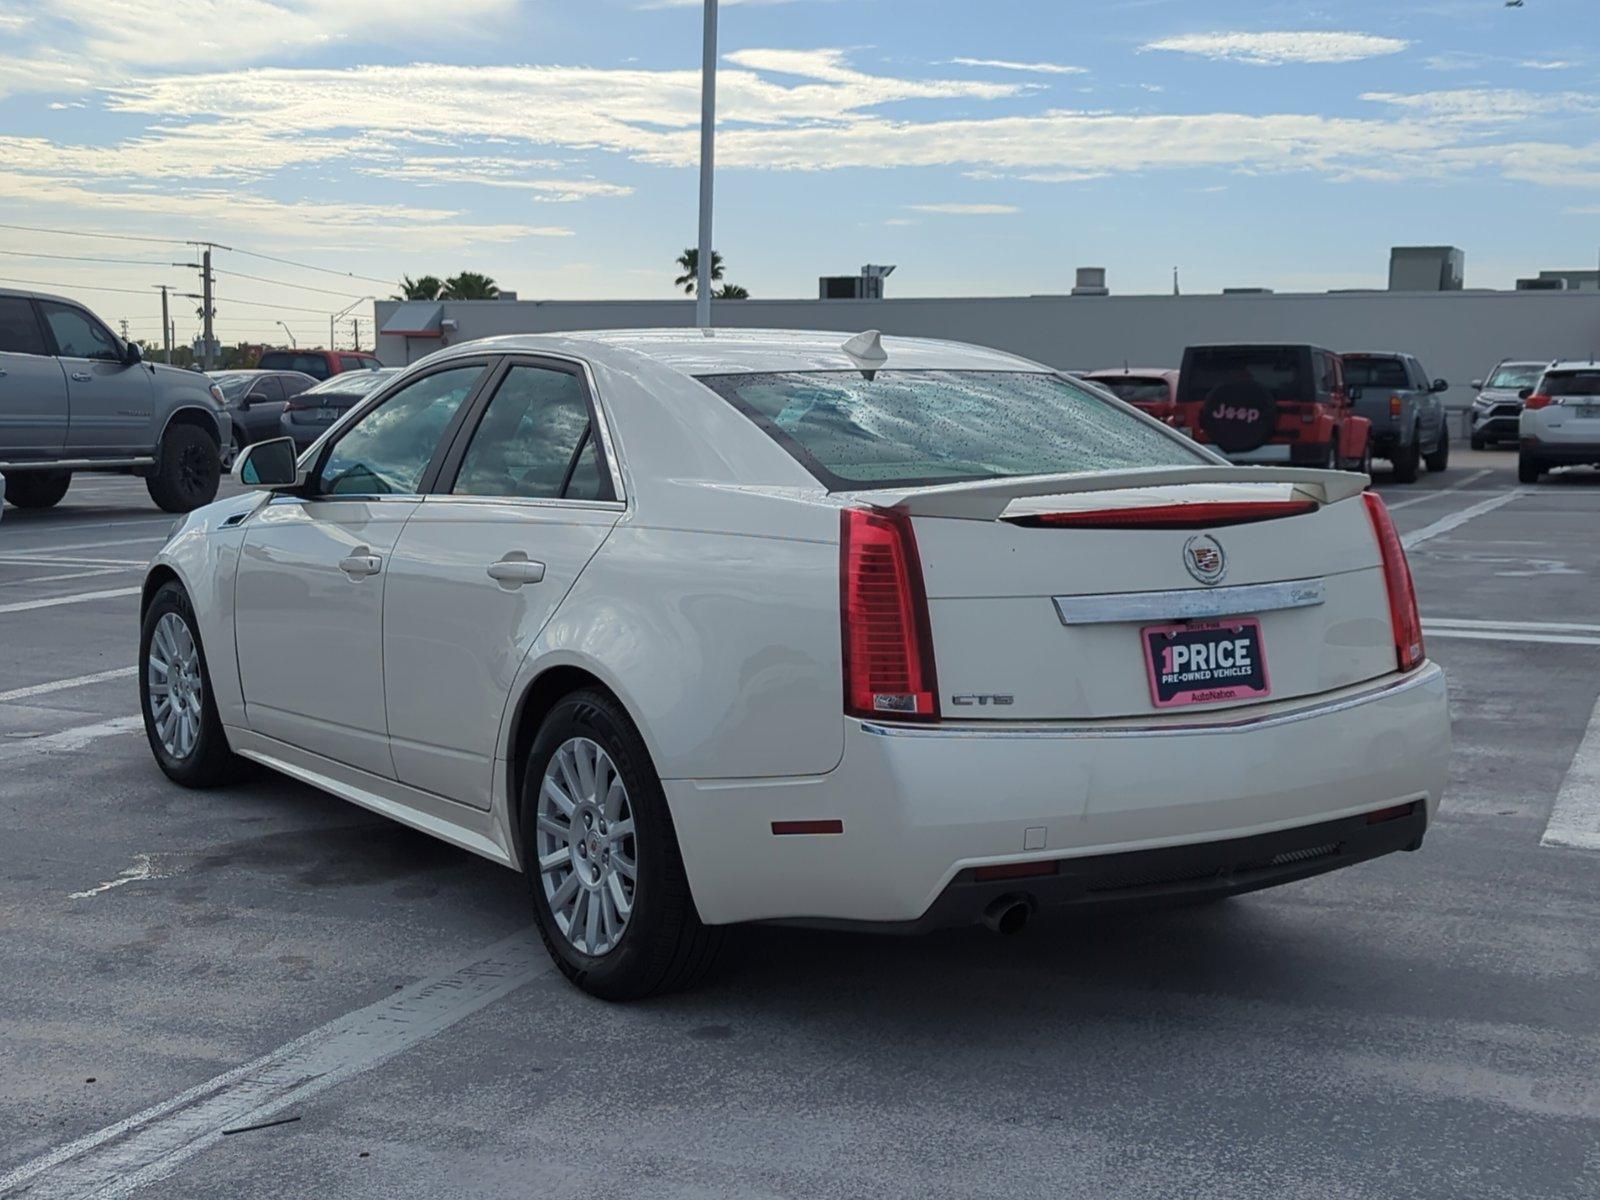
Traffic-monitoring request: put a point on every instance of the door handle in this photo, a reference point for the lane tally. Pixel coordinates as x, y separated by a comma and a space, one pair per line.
82, 376
516, 569
361, 563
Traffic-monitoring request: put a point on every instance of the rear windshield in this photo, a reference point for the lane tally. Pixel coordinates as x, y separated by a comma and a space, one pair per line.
1133, 388
925, 427
1376, 372
1282, 370
1515, 377
1572, 383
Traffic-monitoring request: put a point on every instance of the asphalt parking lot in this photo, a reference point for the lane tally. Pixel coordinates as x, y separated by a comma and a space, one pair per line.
1427, 1025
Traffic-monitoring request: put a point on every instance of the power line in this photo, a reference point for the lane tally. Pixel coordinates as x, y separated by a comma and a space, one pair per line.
132, 262
304, 287
124, 237
289, 262
94, 287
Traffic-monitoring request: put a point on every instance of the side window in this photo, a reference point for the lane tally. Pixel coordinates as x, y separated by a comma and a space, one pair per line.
78, 335
534, 441
19, 328
1331, 376
1423, 382
268, 388
293, 385
388, 449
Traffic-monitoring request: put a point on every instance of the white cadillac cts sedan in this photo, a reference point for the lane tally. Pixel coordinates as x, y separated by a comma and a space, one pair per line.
697, 629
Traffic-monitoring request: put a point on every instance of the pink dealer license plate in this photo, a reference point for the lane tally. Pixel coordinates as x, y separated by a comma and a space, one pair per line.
1201, 662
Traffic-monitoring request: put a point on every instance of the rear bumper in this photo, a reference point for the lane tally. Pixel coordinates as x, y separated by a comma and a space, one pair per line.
920, 807
1559, 453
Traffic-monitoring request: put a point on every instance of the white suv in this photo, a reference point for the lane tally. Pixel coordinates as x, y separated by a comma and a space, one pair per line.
1560, 423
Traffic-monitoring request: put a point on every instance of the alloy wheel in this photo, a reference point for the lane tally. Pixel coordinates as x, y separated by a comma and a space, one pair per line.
176, 687
584, 839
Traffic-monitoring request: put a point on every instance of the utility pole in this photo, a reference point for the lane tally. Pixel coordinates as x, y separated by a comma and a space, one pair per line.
205, 288
708, 139
355, 333
166, 326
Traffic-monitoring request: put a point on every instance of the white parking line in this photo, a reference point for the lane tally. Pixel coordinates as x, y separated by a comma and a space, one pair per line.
150, 1145
62, 685
1529, 626
1575, 819
85, 545
74, 598
67, 740
144, 867
1424, 497
1508, 635
93, 573
1457, 519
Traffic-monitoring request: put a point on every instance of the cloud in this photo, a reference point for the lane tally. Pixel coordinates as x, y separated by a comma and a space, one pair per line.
1276, 48
439, 170
966, 210
1553, 64
1037, 68
1486, 105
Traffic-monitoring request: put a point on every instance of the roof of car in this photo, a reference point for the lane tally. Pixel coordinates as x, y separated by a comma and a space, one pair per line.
5, 291
1123, 372
737, 351
1574, 365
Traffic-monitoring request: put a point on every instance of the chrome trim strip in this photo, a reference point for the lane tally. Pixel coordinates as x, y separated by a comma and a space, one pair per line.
526, 501
1425, 675
78, 464
1189, 602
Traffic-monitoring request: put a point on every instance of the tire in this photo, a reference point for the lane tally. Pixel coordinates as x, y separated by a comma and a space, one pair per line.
1407, 459
188, 470
37, 489
1478, 443
662, 946
1528, 469
169, 629
1439, 459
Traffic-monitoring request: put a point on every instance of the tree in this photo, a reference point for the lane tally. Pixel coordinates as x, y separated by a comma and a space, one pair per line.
730, 291
424, 287
689, 260
470, 285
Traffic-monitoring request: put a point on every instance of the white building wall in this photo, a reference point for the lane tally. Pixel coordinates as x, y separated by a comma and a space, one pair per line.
1457, 335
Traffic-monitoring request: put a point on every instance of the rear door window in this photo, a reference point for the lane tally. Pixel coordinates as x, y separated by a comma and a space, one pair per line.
19, 327
534, 441
924, 427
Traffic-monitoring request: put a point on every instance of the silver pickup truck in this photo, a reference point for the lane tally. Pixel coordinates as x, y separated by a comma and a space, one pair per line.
75, 397
1406, 409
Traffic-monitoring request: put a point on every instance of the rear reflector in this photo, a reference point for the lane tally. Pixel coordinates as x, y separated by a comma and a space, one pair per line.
1172, 516
1390, 814
886, 641
1024, 870
1537, 400
1403, 616
789, 827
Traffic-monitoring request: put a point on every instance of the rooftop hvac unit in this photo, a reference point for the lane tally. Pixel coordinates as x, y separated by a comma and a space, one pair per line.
1542, 285
1091, 282
866, 286
1426, 269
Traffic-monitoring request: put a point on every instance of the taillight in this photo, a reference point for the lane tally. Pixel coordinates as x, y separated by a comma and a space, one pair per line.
887, 643
1403, 616
1199, 515
1395, 405
1537, 400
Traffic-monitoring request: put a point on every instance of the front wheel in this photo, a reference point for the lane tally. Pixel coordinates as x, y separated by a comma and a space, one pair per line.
610, 894
1528, 469
1439, 458
175, 695
1479, 442
188, 470
37, 489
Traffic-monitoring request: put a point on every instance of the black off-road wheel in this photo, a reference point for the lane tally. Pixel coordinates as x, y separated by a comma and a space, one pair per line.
610, 895
176, 698
1528, 469
37, 489
1439, 458
1407, 459
187, 472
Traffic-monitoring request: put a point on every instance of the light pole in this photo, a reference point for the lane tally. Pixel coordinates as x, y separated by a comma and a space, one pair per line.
332, 338
293, 345
708, 139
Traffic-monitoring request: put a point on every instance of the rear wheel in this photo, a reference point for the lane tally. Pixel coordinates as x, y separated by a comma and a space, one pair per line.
175, 695
188, 470
1478, 442
610, 895
1528, 469
37, 489
1439, 458
1407, 459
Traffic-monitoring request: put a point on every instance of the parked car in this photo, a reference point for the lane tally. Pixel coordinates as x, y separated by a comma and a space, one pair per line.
319, 364
893, 634
1406, 408
1151, 389
256, 400
1498, 405
1273, 404
1560, 422
307, 416
76, 397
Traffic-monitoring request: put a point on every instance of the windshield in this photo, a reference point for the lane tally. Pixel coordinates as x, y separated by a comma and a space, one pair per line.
1375, 372
1134, 389
352, 383
923, 427
1572, 383
1515, 376
233, 386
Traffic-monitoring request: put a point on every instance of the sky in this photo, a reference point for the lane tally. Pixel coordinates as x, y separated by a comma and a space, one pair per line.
983, 146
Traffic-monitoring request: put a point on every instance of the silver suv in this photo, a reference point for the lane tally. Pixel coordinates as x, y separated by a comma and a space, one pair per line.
75, 397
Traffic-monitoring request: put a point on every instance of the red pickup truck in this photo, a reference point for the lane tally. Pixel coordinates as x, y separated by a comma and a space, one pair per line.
319, 364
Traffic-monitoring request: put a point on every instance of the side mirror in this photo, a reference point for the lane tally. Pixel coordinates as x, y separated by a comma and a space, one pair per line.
1524, 393
1477, 385
252, 398
269, 464
1355, 391
132, 356
1440, 385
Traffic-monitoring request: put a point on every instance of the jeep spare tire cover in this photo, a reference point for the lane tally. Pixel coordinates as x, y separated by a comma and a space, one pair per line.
1238, 416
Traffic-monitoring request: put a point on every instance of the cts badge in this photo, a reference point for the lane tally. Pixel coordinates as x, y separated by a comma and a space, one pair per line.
982, 700
1203, 558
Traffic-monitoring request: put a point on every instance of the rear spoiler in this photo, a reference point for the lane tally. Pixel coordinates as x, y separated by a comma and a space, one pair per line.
987, 499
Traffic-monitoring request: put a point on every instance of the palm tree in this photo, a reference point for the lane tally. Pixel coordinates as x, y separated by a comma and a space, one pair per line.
689, 260
730, 291
427, 287
470, 285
